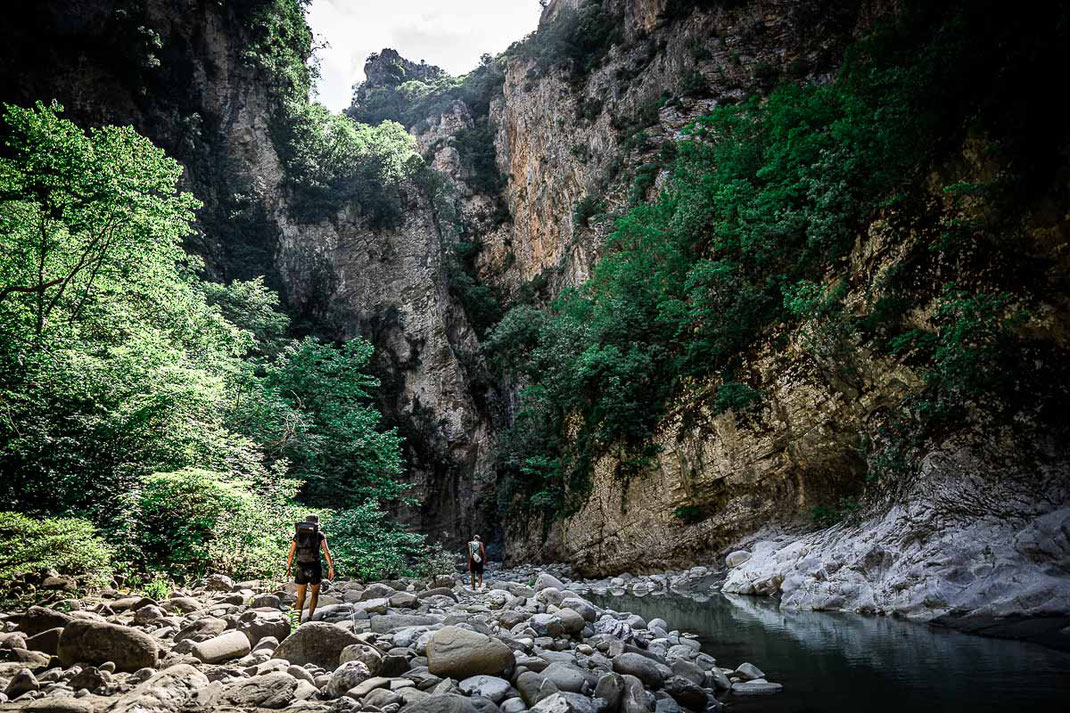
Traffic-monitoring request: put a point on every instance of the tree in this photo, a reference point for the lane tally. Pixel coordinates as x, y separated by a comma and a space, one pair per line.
81, 212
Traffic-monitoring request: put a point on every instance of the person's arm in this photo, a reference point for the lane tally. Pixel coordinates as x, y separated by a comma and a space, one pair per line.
483, 552
330, 562
290, 558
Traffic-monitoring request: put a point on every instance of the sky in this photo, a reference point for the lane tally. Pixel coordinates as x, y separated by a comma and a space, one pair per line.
449, 33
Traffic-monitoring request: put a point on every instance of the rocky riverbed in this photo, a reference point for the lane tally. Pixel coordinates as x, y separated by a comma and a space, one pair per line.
527, 641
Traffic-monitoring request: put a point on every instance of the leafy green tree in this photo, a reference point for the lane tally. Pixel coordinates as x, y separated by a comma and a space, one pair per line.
80, 214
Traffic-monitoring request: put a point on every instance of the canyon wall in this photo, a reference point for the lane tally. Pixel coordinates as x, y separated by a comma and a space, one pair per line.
560, 140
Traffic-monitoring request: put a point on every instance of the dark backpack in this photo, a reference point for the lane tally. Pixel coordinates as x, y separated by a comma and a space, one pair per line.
308, 542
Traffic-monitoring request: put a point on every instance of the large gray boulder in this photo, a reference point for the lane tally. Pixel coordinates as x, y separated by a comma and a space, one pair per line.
206, 625
231, 645
460, 653
316, 642
366, 654
95, 642
452, 703
387, 623
168, 691
572, 621
46, 642
639, 666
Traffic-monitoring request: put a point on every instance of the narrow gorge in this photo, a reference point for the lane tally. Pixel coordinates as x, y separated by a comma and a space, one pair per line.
776, 289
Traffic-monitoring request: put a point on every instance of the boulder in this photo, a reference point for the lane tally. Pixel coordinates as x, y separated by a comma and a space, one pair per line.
635, 698
404, 600
686, 693
181, 604
317, 643
581, 606
58, 705
459, 653
490, 687
90, 678
639, 666
737, 558
231, 645
565, 676
572, 621
264, 624
94, 642
760, 687
168, 691
206, 625
610, 688
386, 623
46, 642
547, 625
218, 583
270, 690
566, 703
546, 580
348, 675
366, 654
22, 682
749, 672
451, 703
38, 619
266, 601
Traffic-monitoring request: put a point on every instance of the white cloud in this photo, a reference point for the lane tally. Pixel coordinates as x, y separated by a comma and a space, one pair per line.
449, 33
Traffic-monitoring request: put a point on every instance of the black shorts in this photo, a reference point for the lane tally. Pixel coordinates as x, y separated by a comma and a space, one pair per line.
477, 567
311, 573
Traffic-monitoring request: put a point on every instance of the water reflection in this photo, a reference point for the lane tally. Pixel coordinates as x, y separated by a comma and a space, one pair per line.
833, 662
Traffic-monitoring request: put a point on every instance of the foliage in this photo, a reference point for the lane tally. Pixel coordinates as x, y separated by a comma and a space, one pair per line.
367, 545
689, 514
193, 521
69, 545
413, 101
173, 414
330, 160
280, 43
576, 39
767, 197
314, 412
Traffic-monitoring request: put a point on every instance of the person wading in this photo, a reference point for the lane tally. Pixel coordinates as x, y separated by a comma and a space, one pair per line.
477, 557
307, 543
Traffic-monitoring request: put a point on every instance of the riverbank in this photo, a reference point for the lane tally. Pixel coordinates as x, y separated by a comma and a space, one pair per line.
528, 641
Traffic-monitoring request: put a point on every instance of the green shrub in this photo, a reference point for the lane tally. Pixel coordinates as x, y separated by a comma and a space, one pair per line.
191, 522
71, 546
577, 40
689, 514
367, 544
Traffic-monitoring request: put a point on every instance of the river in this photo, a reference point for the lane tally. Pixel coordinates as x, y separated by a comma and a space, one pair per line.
837, 662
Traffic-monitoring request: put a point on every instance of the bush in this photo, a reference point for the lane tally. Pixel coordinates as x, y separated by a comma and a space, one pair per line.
367, 544
71, 546
577, 40
193, 522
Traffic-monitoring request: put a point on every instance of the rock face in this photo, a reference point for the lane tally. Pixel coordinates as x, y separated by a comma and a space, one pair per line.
99, 642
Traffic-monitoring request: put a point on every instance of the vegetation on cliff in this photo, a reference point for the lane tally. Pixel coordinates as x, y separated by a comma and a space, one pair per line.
173, 414
751, 240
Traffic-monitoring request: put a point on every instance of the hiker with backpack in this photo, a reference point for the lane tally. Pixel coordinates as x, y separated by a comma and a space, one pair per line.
477, 556
307, 542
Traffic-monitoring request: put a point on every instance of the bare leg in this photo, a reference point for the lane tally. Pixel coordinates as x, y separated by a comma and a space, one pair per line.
313, 600
473, 573
300, 601
480, 580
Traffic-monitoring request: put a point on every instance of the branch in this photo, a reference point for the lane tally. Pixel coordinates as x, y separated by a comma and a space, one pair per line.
7, 291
